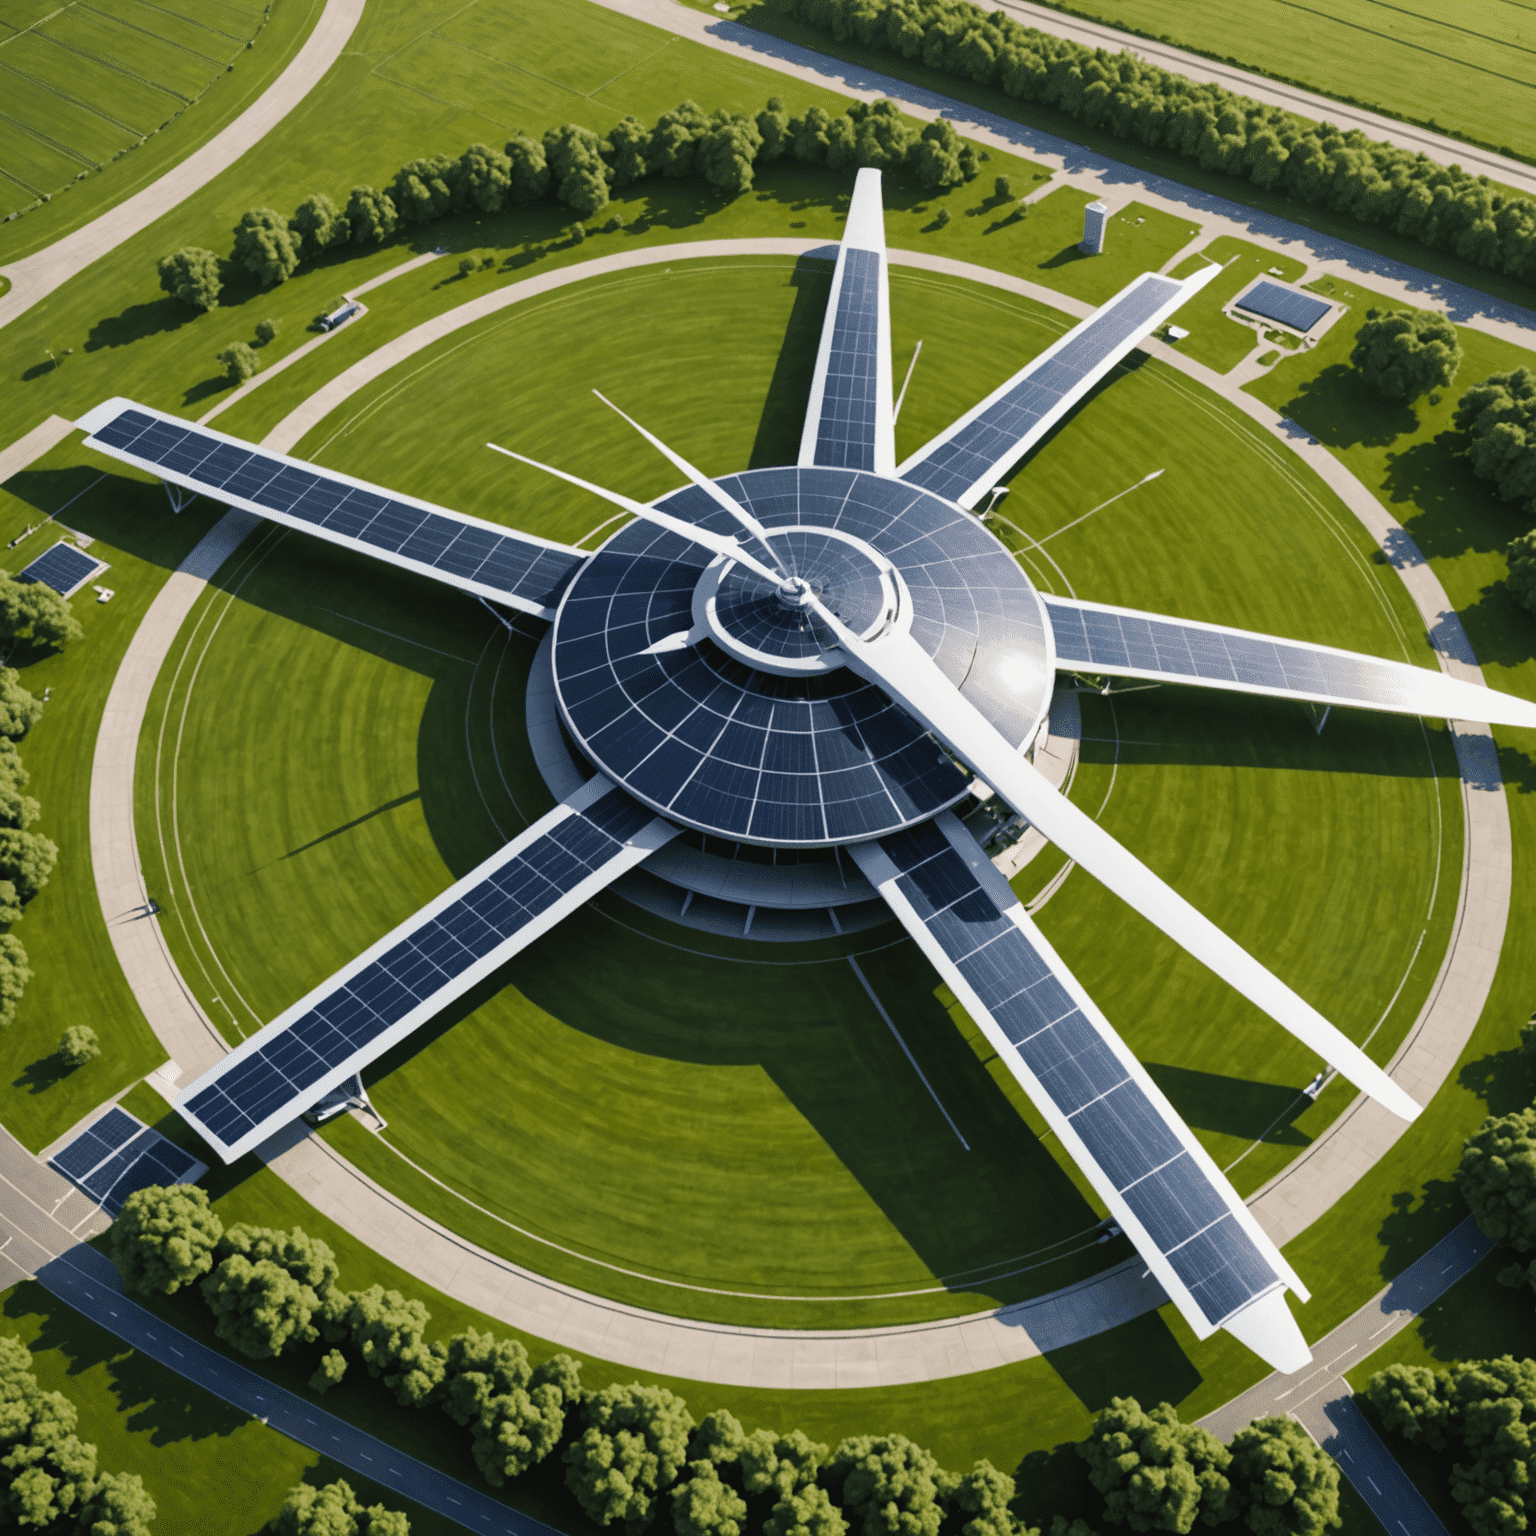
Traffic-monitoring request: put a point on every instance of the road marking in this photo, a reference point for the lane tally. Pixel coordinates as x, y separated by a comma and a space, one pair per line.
1372, 1481
176, 1351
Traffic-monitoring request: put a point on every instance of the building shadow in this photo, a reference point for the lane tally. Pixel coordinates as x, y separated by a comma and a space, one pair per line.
783, 417
1234, 1106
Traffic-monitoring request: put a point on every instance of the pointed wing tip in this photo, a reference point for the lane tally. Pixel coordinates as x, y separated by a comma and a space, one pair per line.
1267, 1327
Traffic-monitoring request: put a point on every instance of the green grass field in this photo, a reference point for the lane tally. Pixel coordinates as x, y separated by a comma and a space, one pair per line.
207, 1466
367, 729
1214, 338
86, 83
1454, 65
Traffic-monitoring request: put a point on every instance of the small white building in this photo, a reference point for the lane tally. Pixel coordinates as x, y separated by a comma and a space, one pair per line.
1095, 224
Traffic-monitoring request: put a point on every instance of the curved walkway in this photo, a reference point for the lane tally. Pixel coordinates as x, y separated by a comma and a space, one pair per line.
35, 277
770, 1357
1097, 173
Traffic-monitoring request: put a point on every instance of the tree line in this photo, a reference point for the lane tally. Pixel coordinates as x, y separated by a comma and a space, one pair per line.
48, 1474
635, 1453
1483, 1410
1442, 207
580, 169
35, 617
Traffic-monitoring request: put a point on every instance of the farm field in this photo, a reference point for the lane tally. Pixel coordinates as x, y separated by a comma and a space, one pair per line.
895, 1218
1456, 65
84, 83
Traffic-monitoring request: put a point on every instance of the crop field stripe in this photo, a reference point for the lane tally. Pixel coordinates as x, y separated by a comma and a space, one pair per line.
52, 143
120, 69
74, 101
192, 21
156, 37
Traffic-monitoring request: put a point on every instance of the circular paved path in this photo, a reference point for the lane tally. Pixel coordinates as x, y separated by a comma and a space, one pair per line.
35, 277
770, 1357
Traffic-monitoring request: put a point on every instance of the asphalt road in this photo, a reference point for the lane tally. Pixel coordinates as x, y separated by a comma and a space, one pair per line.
35, 1241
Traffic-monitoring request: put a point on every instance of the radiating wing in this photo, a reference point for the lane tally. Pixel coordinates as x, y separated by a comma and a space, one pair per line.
1159, 1184
849, 422
1120, 642
964, 460
412, 974
479, 557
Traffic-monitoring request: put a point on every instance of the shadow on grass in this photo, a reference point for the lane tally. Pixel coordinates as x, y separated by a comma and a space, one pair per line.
1417, 1222
1234, 1106
779, 426
44, 1073
1334, 408
1504, 1080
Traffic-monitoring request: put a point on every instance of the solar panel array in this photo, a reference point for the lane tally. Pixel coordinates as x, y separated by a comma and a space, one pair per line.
764, 758
274, 1068
845, 430
272, 485
119, 1154
1125, 1132
64, 568
1288, 306
990, 442
1107, 640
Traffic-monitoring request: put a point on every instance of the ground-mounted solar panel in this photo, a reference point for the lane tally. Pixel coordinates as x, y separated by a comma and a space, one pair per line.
411, 974
964, 460
1156, 1180
94, 1145
1289, 307
1121, 642
492, 562
848, 421
64, 568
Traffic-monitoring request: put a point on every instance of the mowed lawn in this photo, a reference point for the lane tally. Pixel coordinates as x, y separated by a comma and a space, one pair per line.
334, 742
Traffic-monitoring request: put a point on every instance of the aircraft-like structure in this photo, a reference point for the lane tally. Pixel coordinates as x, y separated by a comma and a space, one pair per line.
821, 657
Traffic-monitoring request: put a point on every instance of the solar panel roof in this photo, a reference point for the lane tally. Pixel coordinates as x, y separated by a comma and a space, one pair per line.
344, 1025
1288, 306
119, 1154
93, 1146
64, 568
508, 565
845, 430
990, 441
761, 758
1129, 1136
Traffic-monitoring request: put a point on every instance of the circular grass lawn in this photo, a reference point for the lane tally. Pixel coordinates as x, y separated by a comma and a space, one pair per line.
732, 1130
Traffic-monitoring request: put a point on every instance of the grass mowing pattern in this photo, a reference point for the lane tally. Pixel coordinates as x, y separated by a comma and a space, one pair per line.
371, 725
85, 83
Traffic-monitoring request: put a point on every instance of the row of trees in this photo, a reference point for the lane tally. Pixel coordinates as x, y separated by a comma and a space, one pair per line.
581, 170
36, 617
334, 1510
635, 1453
48, 1475
1375, 182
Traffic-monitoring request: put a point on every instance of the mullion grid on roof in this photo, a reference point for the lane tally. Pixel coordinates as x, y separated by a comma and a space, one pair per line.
845, 432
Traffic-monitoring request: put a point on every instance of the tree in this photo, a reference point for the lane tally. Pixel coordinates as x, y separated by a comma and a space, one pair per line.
468, 265
808, 136
1521, 580
787, 1464
334, 1510
26, 861
773, 130
631, 1451
47, 1474
164, 1239
14, 976
806, 1512
16, 809
1284, 1482
19, 710
675, 140
1497, 1178
239, 362
883, 137
1002, 189
1414, 1403
719, 1439
267, 332
888, 1486
486, 177
328, 1374
941, 218
628, 152
423, 190
727, 152
371, 216
260, 1308
79, 1045
31, 611
387, 1332
119, 1505
1405, 353
575, 163
518, 1428
702, 1505
983, 1497
265, 247
528, 169
191, 275
318, 224
1155, 1473
1499, 417
477, 1367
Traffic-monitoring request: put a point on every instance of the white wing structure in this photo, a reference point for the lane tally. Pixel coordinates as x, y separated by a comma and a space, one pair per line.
1157, 1181
482, 558
850, 422
722, 672
964, 461
1121, 642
